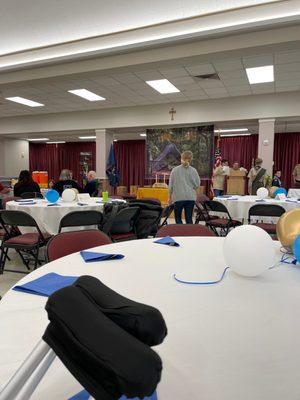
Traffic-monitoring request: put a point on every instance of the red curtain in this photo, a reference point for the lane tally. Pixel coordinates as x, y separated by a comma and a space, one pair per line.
286, 155
131, 160
240, 148
55, 157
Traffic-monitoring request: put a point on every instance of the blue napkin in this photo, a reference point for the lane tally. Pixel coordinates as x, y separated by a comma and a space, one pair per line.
168, 241
84, 395
90, 256
46, 284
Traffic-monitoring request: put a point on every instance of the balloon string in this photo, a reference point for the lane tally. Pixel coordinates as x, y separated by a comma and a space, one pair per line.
203, 282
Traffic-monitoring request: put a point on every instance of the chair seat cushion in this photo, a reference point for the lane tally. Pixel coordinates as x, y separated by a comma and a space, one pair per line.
27, 239
123, 236
268, 227
222, 222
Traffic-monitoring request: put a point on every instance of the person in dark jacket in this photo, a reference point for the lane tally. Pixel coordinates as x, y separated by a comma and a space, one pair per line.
277, 179
25, 184
66, 182
91, 186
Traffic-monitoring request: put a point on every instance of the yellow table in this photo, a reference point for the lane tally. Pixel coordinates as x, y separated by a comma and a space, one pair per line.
154, 193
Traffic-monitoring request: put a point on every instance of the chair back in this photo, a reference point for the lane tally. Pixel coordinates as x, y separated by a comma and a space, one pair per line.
9, 198
32, 195
12, 220
71, 242
202, 198
184, 230
81, 218
125, 220
216, 206
265, 210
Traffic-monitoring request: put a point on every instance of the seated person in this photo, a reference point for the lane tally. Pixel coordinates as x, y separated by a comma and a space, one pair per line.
91, 186
25, 184
4, 189
276, 179
51, 183
66, 182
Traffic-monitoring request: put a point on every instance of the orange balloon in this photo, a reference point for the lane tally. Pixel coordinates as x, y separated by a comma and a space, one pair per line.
288, 227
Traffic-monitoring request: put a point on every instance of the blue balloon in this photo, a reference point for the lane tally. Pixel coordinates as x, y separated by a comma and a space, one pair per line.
296, 248
280, 191
52, 196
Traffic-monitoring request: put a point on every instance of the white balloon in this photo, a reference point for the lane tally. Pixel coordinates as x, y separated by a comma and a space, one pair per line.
68, 195
249, 250
262, 193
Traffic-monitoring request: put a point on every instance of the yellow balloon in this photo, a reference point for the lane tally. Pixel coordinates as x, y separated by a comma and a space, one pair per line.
288, 227
272, 190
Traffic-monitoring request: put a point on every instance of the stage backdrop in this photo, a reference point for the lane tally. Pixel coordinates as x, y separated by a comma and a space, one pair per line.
164, 147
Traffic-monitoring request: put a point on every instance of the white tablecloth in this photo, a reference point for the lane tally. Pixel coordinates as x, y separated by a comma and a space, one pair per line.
240, 207
48, 218
238, 340
294, 193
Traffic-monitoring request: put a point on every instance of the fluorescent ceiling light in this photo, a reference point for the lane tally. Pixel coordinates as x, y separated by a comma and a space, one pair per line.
86, 94
86, 137
24, 101
231, 130
38, 140
163, 86
260, 74
237, 134
56, 142
143, 134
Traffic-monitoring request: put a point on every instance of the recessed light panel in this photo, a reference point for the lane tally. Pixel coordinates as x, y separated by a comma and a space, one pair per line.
260, 74
25, 102
86, 94
163, 86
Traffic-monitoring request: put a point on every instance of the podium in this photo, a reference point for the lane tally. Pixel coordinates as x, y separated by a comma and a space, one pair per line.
236, 182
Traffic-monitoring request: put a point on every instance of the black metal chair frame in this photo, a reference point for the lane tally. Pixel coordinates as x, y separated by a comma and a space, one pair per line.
81, 218
265, 210
32, 195
167, 211
12, 220
216, 206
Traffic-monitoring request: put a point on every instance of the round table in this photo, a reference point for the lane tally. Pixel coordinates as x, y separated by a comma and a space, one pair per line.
48, 218
237, 340
239, 206
294, 193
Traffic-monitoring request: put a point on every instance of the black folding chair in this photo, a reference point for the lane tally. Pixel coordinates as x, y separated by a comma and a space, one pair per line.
123, 224
32, 195
24, 243
81, 218
261, 211
224, 224
166, 213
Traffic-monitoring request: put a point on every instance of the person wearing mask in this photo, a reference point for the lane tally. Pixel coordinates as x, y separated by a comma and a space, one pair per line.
66, 182
183, 185
296, 176
277, 179
219, 176
257, 177
25, 184
91, 186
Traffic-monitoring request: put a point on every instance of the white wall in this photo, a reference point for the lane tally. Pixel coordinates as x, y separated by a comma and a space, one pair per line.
14, 156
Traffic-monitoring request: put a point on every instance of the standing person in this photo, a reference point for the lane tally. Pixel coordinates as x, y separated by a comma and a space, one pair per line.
66, 182
184, 181
257, 177
277, 179
296, 176
25, 184
91, 186
219, 176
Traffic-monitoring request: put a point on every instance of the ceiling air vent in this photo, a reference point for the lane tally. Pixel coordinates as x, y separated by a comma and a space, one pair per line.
214, 77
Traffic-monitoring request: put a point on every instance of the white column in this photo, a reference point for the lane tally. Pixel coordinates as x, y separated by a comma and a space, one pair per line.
103, 143
266, 143
2, 157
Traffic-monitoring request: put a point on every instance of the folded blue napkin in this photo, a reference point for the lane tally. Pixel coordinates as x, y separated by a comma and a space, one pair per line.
90, 256
46, 284
168, 241
84, 395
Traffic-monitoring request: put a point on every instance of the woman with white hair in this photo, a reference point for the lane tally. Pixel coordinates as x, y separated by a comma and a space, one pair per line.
91, 186
66, 182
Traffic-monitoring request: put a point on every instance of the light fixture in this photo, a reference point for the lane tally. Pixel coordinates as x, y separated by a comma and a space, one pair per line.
86, 94
163, 86
115, 140
38, 140
231, 130
236, 134
143, 134
25, 102
260, 74
59, 142
86, 137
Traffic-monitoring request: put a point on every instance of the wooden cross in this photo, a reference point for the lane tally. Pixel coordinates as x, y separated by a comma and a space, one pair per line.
172, 112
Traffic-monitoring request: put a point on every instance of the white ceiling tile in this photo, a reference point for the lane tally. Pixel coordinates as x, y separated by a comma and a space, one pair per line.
228, 65
174, 72
127, 78
210, 83
234, 74
263, 88
236, 82
216, 91
239, 90
285, 57
285, 76
183, 80
258, 61
149, 75
200, 69
283, 68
